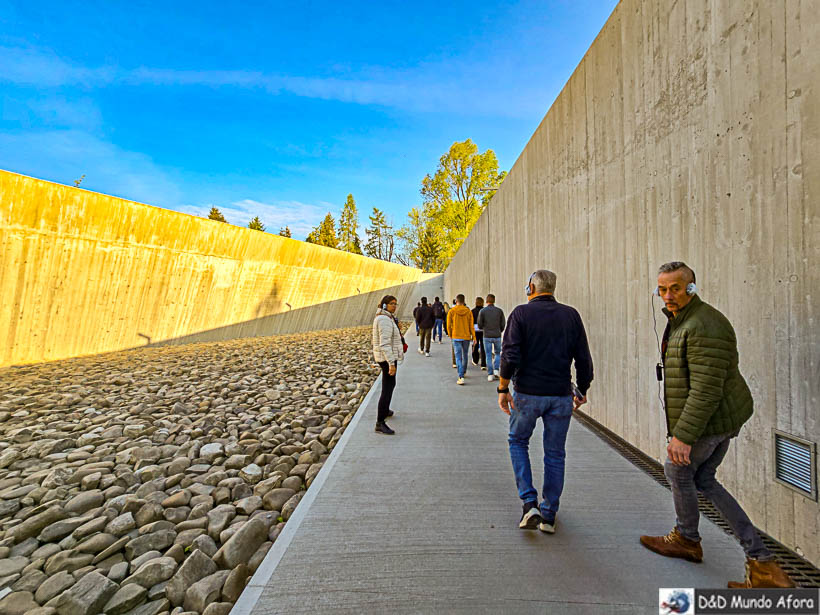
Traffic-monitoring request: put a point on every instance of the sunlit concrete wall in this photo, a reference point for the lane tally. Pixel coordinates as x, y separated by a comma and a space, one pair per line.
689, 131
84, 273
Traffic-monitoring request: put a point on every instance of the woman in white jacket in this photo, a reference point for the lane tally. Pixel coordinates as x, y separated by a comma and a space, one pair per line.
387, 351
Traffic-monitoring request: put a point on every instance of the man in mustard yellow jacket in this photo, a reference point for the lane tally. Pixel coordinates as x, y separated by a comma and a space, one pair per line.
460, 327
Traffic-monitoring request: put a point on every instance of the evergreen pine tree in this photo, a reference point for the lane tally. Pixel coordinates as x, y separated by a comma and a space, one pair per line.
215, 214
349, 227
285, 232
256, 224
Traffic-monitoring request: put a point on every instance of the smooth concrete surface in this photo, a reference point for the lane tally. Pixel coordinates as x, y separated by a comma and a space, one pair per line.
426, 521
689, 131
84, 273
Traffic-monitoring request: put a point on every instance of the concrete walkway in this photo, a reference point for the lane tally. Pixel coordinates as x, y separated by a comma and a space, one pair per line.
426, 521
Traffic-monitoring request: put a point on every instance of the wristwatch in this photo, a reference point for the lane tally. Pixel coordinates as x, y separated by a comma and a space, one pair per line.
504, 390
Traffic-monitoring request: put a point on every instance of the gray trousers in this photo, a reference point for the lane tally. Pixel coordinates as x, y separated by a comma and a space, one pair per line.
424, 339
706, 455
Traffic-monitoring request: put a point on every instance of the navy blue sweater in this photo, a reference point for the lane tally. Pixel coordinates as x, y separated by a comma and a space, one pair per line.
542, 339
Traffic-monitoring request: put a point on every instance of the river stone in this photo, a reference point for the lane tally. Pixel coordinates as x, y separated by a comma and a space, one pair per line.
60, 529
68, 561
150, 512
218, 608
116, 547
150, 542
145, 557
150, 608
242, 545
153, 572
46, 551
87, 596
25, 548
275, 498
54, 585
12, 565
96, 544
186, 537
205, 591
85, 501
180, 498
118, 572
251, 473
249, 505
121, 525
259, 556
33, 525
126, 598
196, 567
205, 544
290, 506
18, 603
235, 583
29, 582
210, 452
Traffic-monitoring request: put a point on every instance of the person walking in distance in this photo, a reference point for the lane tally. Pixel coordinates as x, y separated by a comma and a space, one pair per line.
416, 311
388, 351
478, 346
706, 401
460, 325
491, 322
425, 322
439, 314
542, 340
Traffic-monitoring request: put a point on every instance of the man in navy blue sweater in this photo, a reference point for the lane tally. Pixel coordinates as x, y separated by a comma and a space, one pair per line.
541, 341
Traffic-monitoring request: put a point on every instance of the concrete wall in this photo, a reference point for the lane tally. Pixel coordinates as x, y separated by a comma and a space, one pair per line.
84, 273
689, 131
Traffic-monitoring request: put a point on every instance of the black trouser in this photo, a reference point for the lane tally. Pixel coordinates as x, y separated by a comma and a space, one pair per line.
388, 384
478, 349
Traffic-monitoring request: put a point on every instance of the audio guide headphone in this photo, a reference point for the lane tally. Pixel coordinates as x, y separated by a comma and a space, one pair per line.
691, 288
527, 288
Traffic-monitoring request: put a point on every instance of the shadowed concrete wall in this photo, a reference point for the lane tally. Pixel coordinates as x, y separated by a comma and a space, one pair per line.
689, 131
83, 273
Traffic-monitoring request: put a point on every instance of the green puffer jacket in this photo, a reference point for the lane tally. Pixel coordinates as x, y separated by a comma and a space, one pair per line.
705, 393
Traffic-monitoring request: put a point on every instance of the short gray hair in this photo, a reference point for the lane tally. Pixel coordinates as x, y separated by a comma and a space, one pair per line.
669, 267
543, 281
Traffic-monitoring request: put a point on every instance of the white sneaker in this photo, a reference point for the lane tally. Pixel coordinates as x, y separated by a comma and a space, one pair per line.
484, 368
460, 381
426, 354
490, 378
454, 365
421, 351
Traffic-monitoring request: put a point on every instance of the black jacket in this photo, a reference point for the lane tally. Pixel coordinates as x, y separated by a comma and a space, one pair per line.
542, 339
424, 317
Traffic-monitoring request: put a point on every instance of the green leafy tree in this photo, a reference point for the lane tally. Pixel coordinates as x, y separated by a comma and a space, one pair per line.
285, 232
457, 193
215, 214
422, 242
256, 224
380, 238
349, 227
325, 233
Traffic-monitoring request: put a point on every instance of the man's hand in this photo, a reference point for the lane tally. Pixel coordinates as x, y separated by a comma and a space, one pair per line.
392, 370
579, 401
505, 402
678, 452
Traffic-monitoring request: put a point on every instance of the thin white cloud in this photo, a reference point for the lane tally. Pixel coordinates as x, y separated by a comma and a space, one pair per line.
434, 87
300, 217
63, 156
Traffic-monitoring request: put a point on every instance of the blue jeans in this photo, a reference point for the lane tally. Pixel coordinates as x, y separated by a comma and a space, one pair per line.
492, 345
437, 328
706, 455
461, 348
556, 413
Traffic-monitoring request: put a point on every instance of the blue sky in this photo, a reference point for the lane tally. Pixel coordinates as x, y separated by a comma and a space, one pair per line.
277, 109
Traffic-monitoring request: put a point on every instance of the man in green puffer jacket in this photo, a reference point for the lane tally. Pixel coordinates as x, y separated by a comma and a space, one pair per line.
707, 401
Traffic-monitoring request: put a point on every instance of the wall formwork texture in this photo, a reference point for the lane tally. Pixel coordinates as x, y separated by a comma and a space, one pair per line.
689, 131
84, 273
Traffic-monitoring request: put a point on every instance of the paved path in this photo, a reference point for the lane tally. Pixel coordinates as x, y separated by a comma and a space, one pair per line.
426, 521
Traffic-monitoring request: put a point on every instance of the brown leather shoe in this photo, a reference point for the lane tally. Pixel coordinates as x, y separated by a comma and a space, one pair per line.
763, 574
674, 545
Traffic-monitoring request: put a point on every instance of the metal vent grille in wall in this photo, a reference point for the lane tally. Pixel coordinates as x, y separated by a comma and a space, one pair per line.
795, 463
